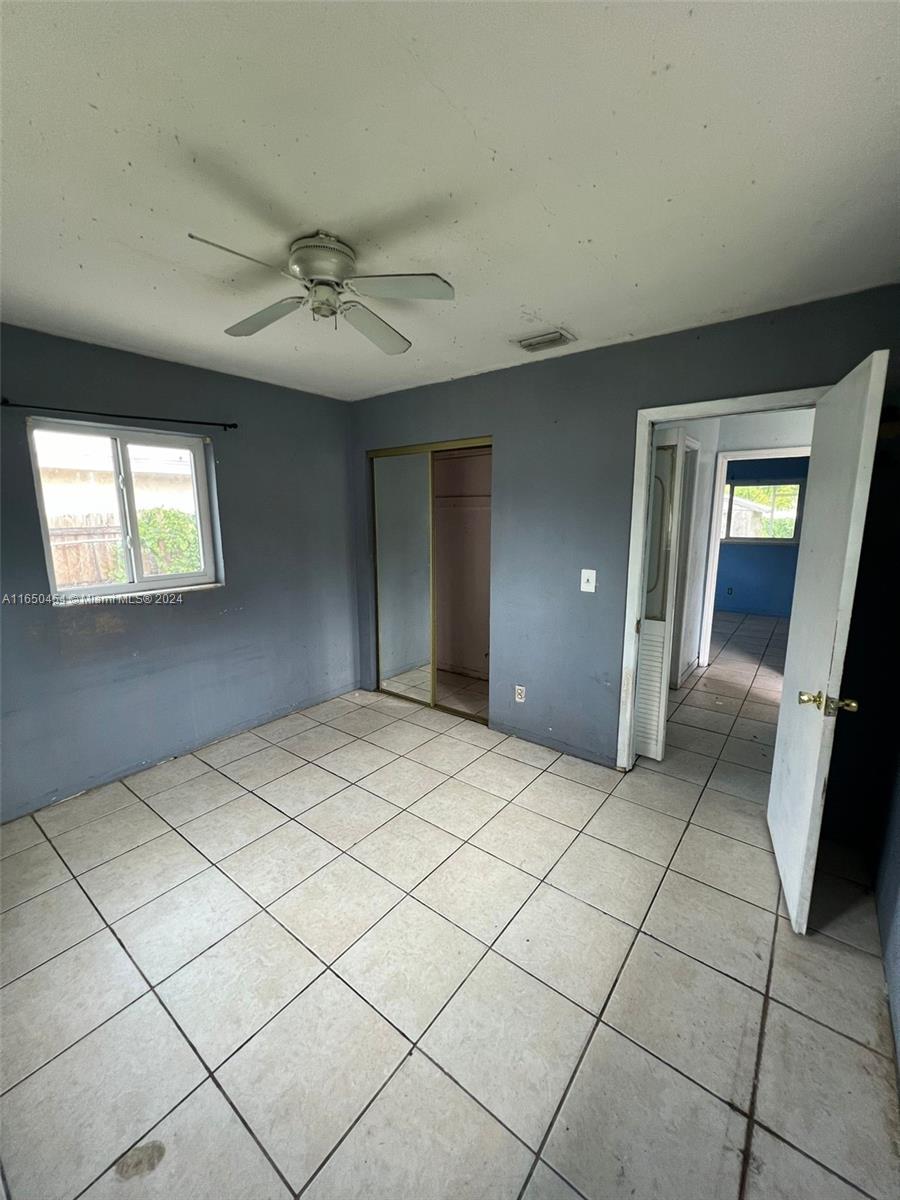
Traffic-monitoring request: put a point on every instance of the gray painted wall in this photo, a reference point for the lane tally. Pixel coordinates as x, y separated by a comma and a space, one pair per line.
90, 694
563, 431
403, 509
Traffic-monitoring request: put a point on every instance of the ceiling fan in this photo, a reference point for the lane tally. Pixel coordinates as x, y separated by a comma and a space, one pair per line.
325, 267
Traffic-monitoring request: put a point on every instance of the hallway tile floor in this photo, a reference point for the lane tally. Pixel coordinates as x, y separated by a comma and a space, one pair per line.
361, 952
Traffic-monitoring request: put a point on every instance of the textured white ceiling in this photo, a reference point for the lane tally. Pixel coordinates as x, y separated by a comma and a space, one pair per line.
622, 170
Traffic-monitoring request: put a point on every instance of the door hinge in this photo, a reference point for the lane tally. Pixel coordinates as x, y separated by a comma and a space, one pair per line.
637, 627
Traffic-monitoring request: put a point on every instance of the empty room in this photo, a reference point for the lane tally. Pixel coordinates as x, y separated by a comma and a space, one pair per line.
450, 522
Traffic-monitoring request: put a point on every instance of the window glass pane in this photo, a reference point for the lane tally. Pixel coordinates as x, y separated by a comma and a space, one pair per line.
165, 498
764, 510
80, 491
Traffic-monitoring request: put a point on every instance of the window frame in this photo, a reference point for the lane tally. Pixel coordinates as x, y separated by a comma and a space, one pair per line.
140, 583
762, 481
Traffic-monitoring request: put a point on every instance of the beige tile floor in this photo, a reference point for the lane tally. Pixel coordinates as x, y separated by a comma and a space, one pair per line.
405, 960
462, 693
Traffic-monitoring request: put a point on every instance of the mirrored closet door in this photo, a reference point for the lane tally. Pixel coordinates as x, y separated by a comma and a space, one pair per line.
402, 484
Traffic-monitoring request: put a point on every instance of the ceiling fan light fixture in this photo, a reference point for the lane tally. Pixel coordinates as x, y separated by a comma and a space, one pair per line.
324, 300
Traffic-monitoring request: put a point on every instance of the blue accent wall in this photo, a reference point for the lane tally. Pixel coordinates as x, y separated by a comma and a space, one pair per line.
759, 578
781, 470
756, 579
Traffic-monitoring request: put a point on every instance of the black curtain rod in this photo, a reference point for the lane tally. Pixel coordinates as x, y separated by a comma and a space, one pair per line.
85, 412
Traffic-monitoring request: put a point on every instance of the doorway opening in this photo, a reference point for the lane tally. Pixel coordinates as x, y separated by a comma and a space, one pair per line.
757, 516
766, 514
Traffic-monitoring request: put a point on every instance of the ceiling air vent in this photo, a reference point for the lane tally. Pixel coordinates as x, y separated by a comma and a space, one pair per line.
546, 341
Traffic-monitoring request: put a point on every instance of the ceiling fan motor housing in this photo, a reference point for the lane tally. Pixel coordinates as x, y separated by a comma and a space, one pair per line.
321, 257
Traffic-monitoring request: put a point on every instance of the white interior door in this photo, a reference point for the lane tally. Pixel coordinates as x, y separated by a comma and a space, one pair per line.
837, 491
657, 619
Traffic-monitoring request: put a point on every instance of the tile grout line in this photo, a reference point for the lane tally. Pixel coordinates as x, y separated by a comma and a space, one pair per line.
216, 864
200, 1059
590, 1038
600, 1021
408, 893
178, 828
327, 967
809, 1158
416, 1042
760, 1046
211, 1072
270, 744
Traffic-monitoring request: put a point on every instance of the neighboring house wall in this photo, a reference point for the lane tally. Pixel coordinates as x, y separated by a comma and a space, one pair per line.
757, 577
92, 693
563, 433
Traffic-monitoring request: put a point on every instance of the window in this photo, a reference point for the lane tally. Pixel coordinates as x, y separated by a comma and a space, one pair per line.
122, 510
761, 511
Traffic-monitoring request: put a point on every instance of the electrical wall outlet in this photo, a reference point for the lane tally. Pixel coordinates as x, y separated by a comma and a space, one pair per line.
520, 693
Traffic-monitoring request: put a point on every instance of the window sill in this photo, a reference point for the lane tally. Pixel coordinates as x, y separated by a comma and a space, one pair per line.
170, 595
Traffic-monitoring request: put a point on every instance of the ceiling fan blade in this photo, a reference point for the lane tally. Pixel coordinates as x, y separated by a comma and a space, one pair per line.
402, 287
238, 254
382, 335
265, 316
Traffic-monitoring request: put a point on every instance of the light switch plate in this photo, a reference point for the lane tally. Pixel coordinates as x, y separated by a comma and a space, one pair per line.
588, 580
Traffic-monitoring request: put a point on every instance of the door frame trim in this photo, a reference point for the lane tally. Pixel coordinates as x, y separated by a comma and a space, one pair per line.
646, 419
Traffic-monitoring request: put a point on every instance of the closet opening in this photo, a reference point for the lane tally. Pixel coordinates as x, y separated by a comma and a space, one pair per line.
432, 528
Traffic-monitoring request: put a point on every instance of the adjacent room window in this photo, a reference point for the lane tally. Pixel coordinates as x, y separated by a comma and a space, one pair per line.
762, 511
122, 510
